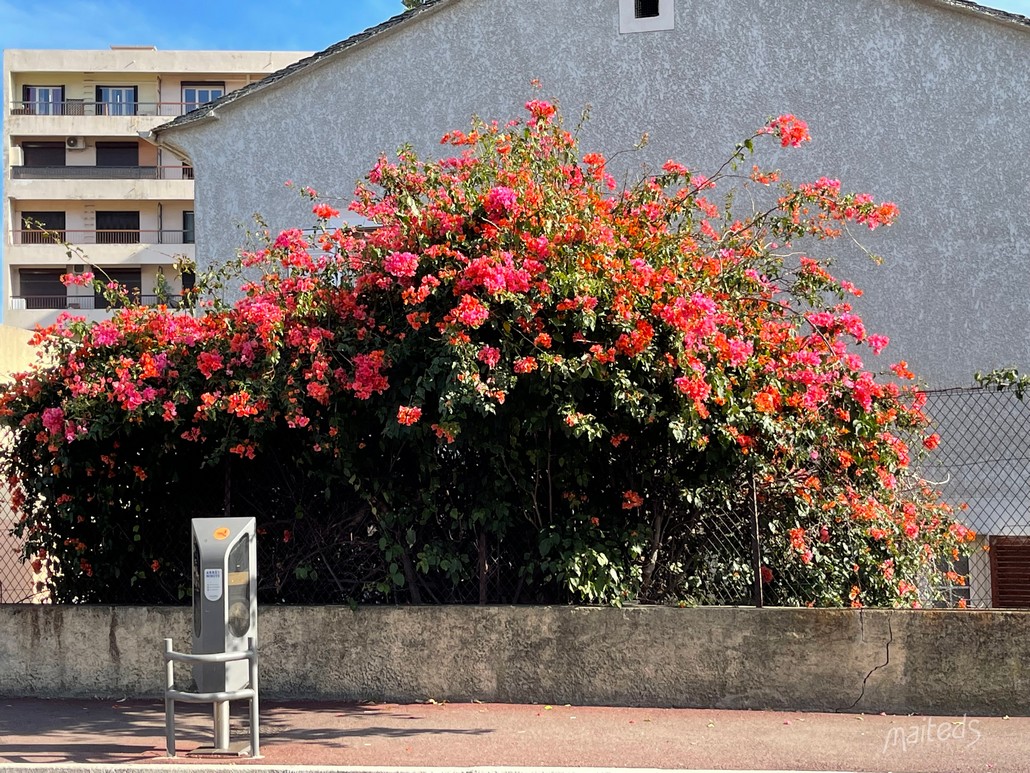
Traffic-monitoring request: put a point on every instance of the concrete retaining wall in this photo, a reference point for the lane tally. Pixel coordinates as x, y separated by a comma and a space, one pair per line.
945, 662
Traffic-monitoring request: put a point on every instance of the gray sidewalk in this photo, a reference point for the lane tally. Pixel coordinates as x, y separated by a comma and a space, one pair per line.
128, 735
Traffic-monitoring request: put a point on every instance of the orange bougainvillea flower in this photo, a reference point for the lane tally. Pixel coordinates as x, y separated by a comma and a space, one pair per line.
631, 499
408, 415
767, 401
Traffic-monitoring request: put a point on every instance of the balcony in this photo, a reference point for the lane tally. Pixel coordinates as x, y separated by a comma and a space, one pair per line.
82, 107
82, 118
101, 247
84, 302
28, 312
105, 236
97, 185
173, 172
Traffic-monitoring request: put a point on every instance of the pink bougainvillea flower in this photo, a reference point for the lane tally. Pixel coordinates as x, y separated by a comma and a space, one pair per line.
501, 200
489, 355
541, 111
401, 264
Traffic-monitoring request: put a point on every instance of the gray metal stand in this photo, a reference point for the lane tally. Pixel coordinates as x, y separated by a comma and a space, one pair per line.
220, 700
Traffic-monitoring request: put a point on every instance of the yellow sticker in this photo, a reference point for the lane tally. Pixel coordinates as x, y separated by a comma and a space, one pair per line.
222, 532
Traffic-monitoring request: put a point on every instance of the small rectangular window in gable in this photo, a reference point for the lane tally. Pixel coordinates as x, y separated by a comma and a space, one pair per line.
646, 15
646, 9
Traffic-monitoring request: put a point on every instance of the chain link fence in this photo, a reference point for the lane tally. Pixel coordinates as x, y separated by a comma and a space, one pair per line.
315, 554
983, 464
17, 582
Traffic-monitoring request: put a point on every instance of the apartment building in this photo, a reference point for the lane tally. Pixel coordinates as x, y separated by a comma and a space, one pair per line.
78, 173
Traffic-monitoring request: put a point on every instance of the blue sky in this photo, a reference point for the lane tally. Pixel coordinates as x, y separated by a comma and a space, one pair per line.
295, 25
292, 25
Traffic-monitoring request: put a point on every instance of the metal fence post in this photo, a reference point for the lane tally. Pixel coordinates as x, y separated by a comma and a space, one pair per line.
756, 547
169, 700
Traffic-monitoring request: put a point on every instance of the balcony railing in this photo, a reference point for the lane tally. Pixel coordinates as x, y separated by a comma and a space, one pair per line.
103, 236
171, 172
80, 107
84, 302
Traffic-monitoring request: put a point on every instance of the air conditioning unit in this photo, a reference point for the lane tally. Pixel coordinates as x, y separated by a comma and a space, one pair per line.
75, 143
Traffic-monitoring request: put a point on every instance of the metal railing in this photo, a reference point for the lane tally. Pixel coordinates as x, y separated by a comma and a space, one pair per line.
220, 700
103, 236
168, 172
85, 302
81, 107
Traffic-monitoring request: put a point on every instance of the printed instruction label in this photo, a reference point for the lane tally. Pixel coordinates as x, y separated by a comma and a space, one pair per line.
212, 584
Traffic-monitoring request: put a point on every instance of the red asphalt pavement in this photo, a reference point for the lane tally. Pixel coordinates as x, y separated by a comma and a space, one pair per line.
130, 733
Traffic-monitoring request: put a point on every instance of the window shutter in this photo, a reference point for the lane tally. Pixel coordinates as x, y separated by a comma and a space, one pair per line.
1010, 572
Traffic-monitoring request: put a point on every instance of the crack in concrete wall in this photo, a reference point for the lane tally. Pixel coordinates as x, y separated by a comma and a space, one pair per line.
874, 669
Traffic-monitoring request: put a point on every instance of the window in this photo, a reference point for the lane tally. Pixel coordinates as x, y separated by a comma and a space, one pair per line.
646, 15
42, 154
117, 227
188, 232
130, 280
34, 224
646, 9
117, 154
116, 100
43, 100
42, 288
958, 591
196, 94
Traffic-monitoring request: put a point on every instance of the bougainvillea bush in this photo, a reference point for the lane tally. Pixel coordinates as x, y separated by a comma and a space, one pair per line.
611, 393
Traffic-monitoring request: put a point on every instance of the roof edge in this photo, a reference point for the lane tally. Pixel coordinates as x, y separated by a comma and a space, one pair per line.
994, 13
318, 59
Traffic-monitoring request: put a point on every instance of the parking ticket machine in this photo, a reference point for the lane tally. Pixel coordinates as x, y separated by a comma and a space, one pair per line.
224, 599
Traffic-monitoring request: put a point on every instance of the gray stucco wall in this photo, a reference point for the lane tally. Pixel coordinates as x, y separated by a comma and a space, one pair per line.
947, 662
918, 101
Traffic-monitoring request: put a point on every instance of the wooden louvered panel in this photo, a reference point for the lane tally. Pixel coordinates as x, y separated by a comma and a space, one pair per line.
1010, 572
